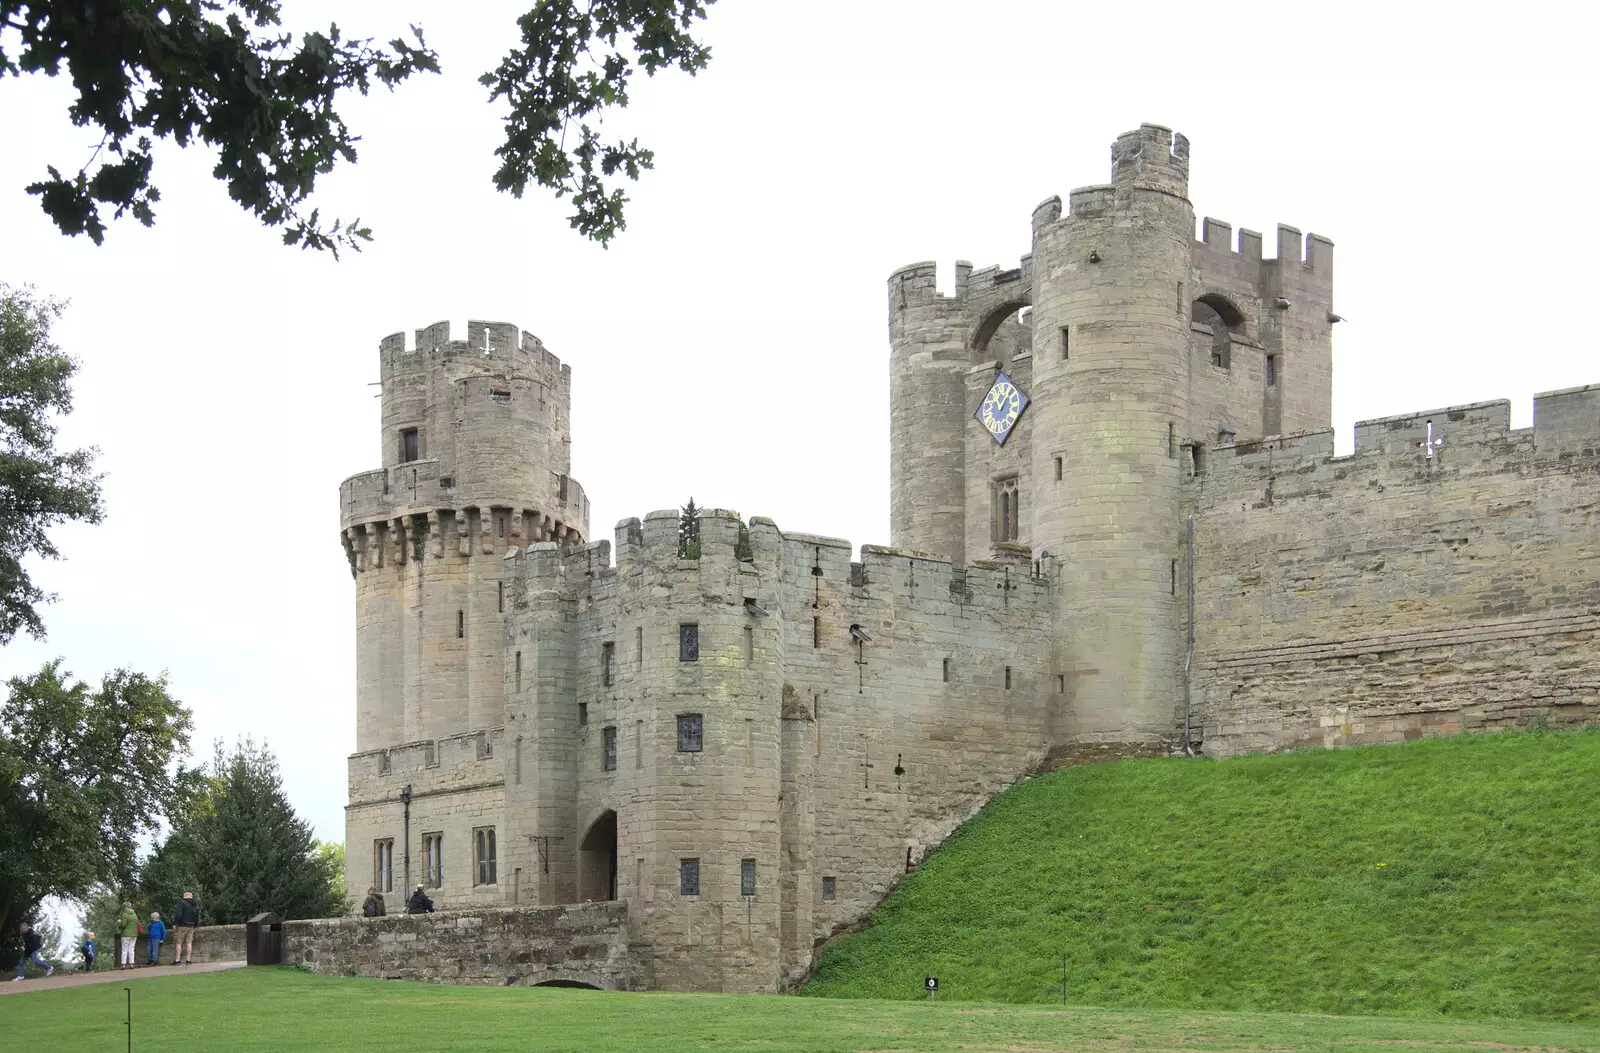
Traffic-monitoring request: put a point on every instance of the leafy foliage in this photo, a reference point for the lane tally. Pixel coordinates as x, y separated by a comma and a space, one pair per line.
1447, 876
84, 774
221, 72
241, 849
742, 549
689, 531
576, 59
40, 486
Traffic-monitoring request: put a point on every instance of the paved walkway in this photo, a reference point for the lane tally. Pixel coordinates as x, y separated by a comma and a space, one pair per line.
63, 978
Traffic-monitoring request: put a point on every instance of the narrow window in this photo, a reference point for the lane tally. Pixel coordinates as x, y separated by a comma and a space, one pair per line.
561, 489
1172, 439
688, 877
500, 596
1005, 515
749, 645
1008, 510
500, 523
947, 670
749, 743
830, 888
638, 647
1008, 678
1174, 577
461, 625
689, 733
1058, 469
1061, 683
1065, 343
816, 721
409, 446
608, 664
638, 744
816, 632
516, 760
609, 748
483, 855
583, 714
747, 877
1272, 371
688, 643
383, 864
1180, 299
433, 860
519, 671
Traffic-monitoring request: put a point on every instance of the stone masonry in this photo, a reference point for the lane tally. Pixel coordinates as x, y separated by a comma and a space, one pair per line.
750, 748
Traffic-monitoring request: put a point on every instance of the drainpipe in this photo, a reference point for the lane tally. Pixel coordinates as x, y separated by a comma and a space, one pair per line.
405, 799
1188, 658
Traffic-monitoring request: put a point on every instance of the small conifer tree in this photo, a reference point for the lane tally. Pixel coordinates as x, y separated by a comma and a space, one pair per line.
689, 531
741, 548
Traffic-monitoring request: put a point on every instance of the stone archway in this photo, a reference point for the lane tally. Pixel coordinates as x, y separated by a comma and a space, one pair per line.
597, 860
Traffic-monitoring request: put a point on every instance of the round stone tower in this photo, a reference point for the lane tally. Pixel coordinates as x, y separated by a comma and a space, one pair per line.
1112, 289
476, 453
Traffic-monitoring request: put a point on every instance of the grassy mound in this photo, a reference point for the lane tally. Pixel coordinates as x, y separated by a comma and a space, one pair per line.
1457, 876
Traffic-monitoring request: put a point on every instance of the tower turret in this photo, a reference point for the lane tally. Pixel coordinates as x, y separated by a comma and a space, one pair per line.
476, 451
1110, 380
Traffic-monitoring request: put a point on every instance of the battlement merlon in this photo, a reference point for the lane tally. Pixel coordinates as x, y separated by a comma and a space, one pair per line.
500, 346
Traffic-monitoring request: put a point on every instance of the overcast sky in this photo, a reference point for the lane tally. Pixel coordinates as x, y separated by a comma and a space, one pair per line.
732, 343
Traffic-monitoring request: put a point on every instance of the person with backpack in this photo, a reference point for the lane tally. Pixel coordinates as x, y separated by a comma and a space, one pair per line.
157, 933
127, 932
88, 952
187, 921
419, 903
31, 944
373, 906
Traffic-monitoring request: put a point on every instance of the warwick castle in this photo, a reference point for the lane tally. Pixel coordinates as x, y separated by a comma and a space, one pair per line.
1118, 528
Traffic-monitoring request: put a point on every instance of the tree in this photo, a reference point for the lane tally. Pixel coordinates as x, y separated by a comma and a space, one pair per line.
689, 531
40, 486
332, 855
84, 774
222, 73
241, 849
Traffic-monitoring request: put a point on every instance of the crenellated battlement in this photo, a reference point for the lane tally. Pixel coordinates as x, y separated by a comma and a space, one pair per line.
489, 346
1428, 446
433, 766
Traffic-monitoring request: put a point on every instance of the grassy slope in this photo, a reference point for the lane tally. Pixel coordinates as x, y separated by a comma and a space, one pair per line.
279, 1010
1457, 876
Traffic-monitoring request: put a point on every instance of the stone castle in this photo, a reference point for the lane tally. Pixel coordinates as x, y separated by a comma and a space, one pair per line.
1119, 528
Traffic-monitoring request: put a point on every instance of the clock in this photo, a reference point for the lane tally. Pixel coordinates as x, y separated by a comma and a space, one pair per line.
1001, 408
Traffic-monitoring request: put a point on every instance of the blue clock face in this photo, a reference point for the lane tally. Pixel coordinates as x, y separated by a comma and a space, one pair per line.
1001, 408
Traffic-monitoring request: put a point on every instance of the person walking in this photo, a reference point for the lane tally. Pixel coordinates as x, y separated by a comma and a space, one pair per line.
127, 932
88, 952
158, 933
187, 921
419, 903
373, 905
31, 943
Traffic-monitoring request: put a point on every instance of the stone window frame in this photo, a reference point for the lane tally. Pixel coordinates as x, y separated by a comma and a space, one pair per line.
689, 876
410, 444
1006, 505
691, 733
608, 747
383, 864
484, 856
433, 859
747, 878
688, 641
608, 663
830, 888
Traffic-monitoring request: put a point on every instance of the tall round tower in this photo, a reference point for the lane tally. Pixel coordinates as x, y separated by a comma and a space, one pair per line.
476, 453
1112, 289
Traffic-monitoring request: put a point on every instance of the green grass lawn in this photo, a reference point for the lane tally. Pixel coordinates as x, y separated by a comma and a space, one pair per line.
279, 1010
1448, 877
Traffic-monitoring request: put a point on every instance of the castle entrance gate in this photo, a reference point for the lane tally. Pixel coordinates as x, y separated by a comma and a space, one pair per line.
597, 860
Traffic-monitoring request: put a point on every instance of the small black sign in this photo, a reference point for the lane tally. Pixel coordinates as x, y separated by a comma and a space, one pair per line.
931, 983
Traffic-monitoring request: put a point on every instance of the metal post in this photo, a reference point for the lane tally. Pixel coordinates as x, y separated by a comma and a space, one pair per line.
405, 799
1188, 659
129, 1020
1063, 979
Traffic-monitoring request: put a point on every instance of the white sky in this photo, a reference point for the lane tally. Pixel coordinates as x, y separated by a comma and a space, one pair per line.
732, 344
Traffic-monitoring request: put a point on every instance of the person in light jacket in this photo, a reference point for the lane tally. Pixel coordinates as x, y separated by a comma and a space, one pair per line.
127, 932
